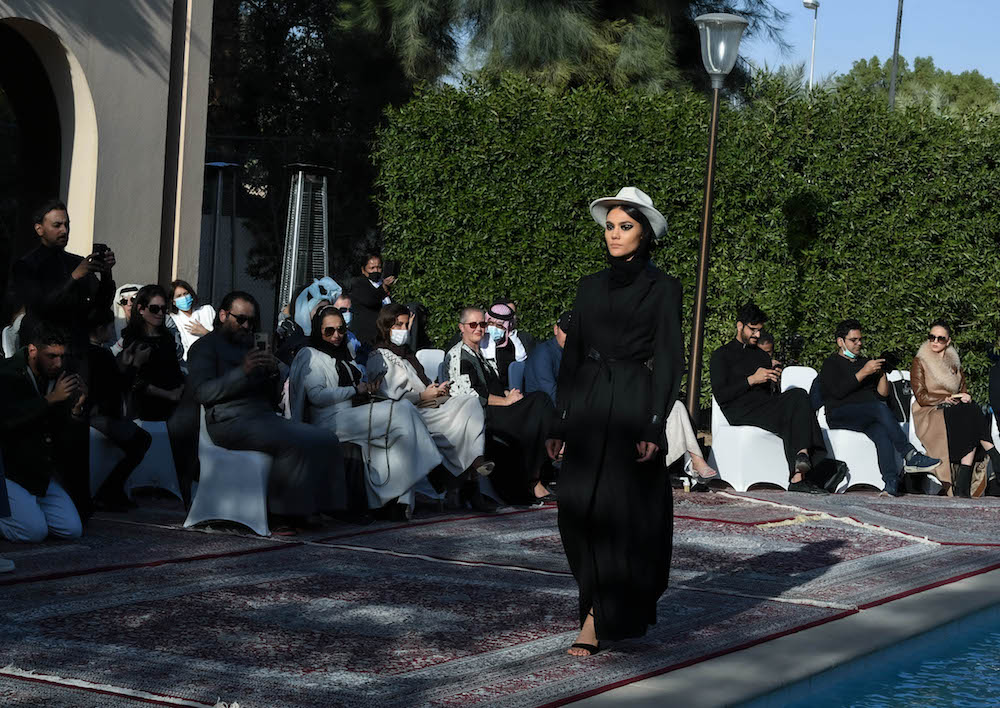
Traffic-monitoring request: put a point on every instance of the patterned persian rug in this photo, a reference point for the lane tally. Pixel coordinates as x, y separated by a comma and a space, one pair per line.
449, 610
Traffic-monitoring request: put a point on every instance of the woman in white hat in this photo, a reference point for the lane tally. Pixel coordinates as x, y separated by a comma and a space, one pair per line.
619, 378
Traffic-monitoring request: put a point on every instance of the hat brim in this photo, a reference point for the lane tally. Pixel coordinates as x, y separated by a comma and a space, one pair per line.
599, 209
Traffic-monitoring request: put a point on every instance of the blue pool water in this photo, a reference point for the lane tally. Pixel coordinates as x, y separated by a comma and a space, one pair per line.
955, 666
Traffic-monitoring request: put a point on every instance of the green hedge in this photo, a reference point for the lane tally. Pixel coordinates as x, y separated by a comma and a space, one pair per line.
824, 209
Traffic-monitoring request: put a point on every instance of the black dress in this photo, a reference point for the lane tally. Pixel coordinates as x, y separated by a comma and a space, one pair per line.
620, 375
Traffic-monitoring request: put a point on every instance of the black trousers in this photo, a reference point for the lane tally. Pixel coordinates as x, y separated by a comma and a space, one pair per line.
130, 439
789, 416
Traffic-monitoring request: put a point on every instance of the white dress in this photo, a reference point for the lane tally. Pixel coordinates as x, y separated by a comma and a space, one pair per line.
458, 425
204, 315
397, 448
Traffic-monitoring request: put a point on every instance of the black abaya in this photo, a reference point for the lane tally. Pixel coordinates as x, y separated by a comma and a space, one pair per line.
619, 376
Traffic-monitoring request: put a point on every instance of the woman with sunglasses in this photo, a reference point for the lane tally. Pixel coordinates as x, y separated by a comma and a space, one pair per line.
618, 380
326, 388
949, 424
456, 423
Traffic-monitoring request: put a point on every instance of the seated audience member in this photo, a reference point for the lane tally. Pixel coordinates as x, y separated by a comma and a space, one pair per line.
456, 423
326, 389
369, 292
766, 342
499, 346
156, 382
949, 424
519, 420
42, 423
343, 305
191, 319
106, 385
541, 370
526, 340
239, 387
742, 378
124, 297
854, 389
293, 332
682, 441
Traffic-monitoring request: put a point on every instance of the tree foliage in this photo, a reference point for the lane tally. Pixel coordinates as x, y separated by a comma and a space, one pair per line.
646, 44
826, 207
925, 86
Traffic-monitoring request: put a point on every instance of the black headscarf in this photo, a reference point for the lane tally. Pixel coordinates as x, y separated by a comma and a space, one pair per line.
625, 271
347, 374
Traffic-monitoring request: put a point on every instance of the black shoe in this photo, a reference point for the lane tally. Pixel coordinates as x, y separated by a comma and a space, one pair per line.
806, 487
700, 487
803, 465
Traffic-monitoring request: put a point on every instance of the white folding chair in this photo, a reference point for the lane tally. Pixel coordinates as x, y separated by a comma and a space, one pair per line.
104, 455
798, 377
157, 467
233, 485
745, 455
9, 337
857, 451
431, 360
515, 375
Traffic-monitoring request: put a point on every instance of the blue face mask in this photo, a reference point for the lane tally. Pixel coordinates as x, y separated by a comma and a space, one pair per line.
849, 354
184, 302
496, 333
348, 316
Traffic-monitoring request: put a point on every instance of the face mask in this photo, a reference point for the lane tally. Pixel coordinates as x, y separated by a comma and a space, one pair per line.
184, 302
399, 337
348, 316
375, 276
849, 354
496, 333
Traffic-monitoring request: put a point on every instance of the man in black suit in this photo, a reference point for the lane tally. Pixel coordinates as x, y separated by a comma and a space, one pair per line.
369, 292
238, 386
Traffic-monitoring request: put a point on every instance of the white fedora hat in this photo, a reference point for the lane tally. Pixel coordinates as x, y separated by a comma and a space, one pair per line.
599, 208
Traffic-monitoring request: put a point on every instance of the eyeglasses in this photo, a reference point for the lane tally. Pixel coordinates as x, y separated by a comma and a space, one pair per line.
240, 319
934, 338
330, 331
344, 310
857, 340
156, 309
474, 325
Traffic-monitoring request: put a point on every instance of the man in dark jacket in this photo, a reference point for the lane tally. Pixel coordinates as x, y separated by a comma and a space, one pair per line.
745, 382
854, 389
61, 288
42, 427
541, 370
238, 386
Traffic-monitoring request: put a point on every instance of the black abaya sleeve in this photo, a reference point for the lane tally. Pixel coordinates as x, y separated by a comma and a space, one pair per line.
668, 361
571, 359
727, 384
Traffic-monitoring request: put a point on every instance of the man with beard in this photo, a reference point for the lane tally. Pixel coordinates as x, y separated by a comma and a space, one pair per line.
238, 385
42, 423
745, 384
61, 288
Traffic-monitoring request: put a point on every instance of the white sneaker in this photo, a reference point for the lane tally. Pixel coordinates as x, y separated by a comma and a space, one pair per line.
6, 566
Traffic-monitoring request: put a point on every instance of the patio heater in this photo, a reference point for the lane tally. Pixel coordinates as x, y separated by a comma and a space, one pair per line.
306, 254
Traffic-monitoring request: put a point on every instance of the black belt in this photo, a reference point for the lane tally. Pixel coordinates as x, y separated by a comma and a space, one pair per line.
601, 359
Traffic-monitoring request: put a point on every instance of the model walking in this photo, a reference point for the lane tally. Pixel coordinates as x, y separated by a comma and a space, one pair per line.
619, 378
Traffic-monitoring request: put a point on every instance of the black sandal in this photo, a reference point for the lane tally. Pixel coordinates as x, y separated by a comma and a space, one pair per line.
591, 649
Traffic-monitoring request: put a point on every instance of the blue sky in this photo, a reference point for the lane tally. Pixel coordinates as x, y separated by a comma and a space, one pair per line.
961, 35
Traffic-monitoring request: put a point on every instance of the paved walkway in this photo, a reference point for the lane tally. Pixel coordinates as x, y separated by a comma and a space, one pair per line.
450, 609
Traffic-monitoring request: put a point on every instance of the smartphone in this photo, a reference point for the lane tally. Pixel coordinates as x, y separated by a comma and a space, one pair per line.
390, 269
262, 340
101, 248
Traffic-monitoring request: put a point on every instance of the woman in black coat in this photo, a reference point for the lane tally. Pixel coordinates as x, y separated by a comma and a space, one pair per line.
619, 376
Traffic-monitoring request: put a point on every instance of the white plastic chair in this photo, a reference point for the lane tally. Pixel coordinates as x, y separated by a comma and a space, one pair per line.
745, 455
515, 375
431, 360
157, 467
857, 451
104, 455
798, 377
9, 337
233, 485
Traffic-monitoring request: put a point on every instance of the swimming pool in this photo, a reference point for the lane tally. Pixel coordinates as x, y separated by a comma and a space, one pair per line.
954, 666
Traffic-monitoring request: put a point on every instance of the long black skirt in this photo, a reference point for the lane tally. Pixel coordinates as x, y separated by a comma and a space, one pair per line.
966, 426
615, 514
516, 437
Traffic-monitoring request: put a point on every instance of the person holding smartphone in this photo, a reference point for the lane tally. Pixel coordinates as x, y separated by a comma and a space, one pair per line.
62, 288
369, 292
949, 424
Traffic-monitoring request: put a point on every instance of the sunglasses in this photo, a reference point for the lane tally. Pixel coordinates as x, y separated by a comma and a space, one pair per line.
330, 331
240, 319
126, 301
156, 309
934, 338
474, 325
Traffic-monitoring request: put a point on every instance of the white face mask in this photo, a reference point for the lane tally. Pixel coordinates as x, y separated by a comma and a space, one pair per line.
399, 337
348, 316
496, 333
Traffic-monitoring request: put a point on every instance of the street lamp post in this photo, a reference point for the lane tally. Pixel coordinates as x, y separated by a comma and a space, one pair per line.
720, 45
814, 6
